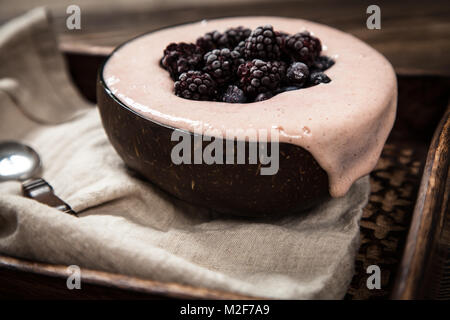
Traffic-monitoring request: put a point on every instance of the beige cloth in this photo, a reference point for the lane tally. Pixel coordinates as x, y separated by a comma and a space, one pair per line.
126, 225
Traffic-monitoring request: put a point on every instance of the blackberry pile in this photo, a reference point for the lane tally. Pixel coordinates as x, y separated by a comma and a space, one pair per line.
258, 76
242, 65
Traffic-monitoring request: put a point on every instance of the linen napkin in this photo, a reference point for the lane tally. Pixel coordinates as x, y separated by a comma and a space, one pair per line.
128, 226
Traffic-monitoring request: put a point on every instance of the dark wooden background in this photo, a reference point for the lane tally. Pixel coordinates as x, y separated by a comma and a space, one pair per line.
414, 35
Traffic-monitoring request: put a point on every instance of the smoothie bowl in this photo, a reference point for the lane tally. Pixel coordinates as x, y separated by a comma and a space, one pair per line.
251, 115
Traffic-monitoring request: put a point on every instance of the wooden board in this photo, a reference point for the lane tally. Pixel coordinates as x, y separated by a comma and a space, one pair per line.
410, 156
405, 228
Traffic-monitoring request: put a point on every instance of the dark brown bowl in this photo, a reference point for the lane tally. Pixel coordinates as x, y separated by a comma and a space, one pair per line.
145, 146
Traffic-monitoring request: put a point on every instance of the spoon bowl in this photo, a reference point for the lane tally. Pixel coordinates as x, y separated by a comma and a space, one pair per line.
18, 161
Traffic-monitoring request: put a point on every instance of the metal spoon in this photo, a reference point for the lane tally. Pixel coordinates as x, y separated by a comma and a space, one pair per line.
21, 162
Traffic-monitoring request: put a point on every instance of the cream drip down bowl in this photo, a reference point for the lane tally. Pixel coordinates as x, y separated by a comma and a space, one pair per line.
327, 136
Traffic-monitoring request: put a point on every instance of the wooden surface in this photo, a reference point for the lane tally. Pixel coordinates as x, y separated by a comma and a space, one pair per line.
34, 280
424, 271
384, 226
386, 220
414, 35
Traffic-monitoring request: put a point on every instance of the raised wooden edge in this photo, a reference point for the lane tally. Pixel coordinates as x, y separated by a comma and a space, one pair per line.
411, 270
84, 49
429, 212
151, 287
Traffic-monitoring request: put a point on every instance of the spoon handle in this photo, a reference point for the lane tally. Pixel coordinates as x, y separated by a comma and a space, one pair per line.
42, 191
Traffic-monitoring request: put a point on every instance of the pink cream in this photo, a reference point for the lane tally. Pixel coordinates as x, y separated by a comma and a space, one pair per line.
344, 124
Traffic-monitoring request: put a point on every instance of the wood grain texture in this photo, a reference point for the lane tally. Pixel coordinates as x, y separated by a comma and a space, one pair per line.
384, 226
33, 280
413, 36
422, 271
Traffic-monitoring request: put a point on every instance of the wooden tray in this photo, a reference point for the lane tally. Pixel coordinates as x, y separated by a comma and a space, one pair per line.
405, 228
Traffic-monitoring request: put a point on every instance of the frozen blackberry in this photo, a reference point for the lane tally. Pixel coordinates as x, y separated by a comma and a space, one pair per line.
263, 96
258, 76
234, 95
283, 36
323, 63
263, 43
236, 35
196, 85
240, 65
297, 74
181, 57
222, 64
284, 56
240, 48
212, 40
303, 47
318, 77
